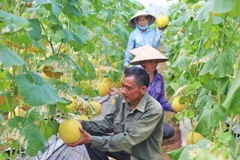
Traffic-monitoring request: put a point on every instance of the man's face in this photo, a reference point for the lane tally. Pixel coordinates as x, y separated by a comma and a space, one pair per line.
130, 90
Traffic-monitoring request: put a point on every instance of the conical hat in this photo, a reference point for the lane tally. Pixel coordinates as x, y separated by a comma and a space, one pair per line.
132, 23
146, 52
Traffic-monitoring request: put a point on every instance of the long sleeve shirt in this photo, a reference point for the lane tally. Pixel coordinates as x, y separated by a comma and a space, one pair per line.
157, 91
138, 132
149, 37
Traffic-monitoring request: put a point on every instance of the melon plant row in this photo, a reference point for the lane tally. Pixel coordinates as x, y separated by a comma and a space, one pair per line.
202, 43
53, 56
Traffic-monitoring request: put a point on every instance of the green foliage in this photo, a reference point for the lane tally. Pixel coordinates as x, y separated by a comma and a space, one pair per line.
27, 133
9, 58
56, 37
190, 152
202, 43
31, 85
231, 103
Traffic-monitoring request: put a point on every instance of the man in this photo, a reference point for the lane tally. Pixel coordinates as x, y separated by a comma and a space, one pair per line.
136, 124
149, 58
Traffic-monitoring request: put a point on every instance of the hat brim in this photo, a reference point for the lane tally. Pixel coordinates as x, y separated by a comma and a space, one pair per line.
137, 61
145, 53
132, 22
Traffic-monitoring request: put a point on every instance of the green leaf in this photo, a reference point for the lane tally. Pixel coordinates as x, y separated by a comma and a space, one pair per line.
55, 21
77, 90
207, 27
51, 6
56, 8
222, 6
224, 138
203, 13
224, 85
220, 66
56, 35
4, 156
109, 16
82, 32
217, 19
175, 154
50, 128
193, 28
36, 91
86, 8
23, 40
35, 31
71, 10
34, 141
232, 103
105, 41
73, 39
62, 107
16, 122
209, 117
181, 62
208, 82
215, 115
187, 152
9, 58
120, 30
235, 11
190, 114
36, 113
13, 19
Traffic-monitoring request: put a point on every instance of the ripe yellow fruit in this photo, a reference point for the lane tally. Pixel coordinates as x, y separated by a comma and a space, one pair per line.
193, 137
18, 112
69, 131
114, 65
103, 89
97, 107
162, 21
109, 82
176, 105
83, 117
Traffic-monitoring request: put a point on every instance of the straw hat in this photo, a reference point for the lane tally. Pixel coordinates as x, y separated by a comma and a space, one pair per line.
146, 52
132, 23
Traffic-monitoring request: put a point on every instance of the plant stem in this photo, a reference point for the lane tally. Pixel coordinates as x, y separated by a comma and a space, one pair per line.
231, 123
15, 153
220, 126
237, 149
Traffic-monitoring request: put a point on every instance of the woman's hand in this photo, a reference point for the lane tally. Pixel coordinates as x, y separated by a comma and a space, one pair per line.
85, 139
163, 28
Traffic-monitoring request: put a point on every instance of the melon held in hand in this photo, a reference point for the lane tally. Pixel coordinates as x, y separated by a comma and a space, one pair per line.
69, 131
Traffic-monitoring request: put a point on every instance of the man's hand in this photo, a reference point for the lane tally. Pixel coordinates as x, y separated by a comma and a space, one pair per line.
85, 139
163, 28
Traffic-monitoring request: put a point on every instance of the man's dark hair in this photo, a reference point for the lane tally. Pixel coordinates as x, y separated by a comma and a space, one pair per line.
140, 74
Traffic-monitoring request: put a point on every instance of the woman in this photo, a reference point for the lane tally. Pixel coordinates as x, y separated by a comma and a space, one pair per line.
142, 34
148, 58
